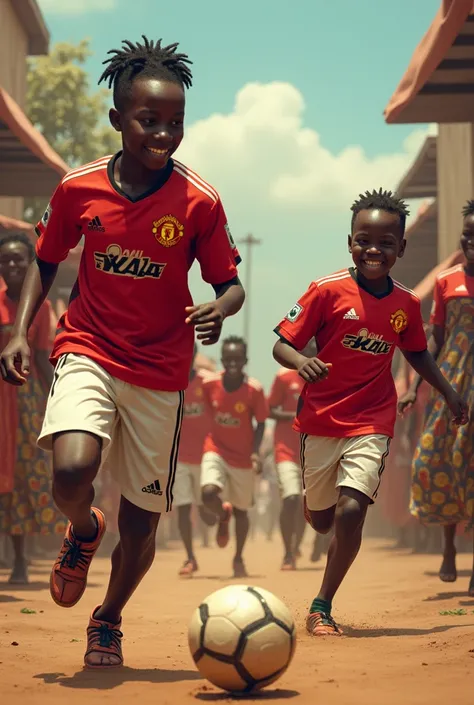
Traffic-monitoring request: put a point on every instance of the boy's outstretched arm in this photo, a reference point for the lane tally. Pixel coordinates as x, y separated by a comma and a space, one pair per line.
425, 365
208, 318
310, 369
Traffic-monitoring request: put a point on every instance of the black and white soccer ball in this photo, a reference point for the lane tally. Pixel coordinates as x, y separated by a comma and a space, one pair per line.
242, 638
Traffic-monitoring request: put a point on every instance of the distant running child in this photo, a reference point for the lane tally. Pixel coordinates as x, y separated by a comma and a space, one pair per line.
232, 447
124, 347
348, 407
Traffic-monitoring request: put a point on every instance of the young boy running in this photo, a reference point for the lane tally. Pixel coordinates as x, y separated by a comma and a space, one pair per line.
231, 449
358, 316
188, 474
124, 347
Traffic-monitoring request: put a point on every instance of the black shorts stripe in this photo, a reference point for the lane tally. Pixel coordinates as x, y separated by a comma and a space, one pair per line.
59, 365
382, 467
174, 453
303, 437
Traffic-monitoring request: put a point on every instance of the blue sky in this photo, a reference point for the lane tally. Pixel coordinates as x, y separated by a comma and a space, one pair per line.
284, 119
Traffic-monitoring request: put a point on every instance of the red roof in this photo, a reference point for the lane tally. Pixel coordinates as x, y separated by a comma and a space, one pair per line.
432, 49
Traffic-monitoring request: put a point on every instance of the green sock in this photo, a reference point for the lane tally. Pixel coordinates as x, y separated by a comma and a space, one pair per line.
319, 605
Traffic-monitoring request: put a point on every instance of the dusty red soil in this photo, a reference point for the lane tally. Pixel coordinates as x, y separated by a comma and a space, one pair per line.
399, 648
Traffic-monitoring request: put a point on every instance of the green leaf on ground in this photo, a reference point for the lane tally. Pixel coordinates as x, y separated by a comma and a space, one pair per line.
453, 613
25, 610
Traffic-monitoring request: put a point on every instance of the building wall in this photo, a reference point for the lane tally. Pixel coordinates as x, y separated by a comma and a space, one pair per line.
455, 166
13, 54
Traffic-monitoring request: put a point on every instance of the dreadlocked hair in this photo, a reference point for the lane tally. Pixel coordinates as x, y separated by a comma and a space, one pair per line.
382, 200
468, 209
235, 340
18, 236
147, 60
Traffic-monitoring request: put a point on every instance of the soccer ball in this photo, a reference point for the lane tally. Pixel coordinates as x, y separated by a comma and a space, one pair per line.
242, 638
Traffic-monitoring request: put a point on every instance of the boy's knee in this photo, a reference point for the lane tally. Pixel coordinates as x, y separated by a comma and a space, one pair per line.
138, 530
69, 477
209, 493
350, 513
322, 521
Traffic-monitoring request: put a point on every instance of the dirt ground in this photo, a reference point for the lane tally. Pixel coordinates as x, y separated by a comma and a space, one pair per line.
398, 649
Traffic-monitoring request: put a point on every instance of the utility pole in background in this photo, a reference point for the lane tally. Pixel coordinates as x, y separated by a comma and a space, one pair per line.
249, 241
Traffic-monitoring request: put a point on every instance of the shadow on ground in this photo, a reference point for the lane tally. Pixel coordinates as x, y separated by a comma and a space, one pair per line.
278, 694
108, 679
369, 632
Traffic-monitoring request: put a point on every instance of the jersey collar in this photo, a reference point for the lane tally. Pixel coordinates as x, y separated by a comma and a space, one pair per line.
353, 273
161, 181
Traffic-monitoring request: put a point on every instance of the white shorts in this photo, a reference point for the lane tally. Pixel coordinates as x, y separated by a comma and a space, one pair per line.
139, 427
239, 484
289, 479
187, 488
332, 463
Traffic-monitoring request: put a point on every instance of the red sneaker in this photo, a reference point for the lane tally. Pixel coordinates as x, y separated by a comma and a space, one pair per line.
222, 538
322, 624
69, 575
105, 639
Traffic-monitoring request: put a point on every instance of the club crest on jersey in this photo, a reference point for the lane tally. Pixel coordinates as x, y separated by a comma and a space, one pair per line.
240, 407
367, 342
168, 231
295, 313
399, 321
127, 263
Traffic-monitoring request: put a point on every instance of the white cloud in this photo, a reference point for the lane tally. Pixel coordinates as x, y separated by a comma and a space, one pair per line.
76, 7
264, 148
278, 180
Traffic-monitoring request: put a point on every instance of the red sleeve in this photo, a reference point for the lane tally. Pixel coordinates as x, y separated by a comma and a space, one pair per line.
57, 233
438, 310
277, 393
413, 338
304, 320
42, 339
260, 406
216, 251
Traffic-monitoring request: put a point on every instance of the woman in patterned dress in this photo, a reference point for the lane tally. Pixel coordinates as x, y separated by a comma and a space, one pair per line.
443, 465
26, 504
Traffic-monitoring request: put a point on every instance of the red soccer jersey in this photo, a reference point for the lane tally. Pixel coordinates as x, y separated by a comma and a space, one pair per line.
357, 332
127, 308
195, 421
454, 283
232, 413
285, 392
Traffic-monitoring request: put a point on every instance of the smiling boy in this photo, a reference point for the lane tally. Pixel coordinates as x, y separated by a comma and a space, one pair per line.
124, 347
347, 409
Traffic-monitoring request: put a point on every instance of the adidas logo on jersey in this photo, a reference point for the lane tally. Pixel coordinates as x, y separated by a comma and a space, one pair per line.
351, 315
95, 224
461, 287
154, 488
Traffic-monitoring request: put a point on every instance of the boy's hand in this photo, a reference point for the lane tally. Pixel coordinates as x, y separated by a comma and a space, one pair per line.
15, 361
406, 402
314, 370
257, 464
458, 407
208, 320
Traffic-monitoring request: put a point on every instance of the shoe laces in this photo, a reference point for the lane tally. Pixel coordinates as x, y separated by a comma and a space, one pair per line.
73, 555
105, 636
323, 618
